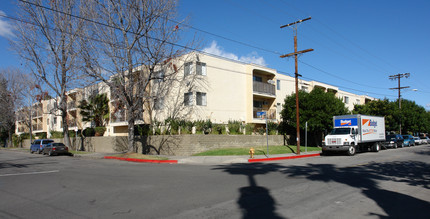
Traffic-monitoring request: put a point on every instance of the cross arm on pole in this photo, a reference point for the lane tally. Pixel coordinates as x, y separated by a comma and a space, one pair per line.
297, 53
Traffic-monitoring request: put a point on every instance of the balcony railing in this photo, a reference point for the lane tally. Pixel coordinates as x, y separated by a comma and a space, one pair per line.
271, 114
265, 88
71, 123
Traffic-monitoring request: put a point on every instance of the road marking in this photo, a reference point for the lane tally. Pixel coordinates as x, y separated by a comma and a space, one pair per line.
30, 173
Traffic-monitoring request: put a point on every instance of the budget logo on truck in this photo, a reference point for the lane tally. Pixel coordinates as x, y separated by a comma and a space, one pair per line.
369, 123
345, 122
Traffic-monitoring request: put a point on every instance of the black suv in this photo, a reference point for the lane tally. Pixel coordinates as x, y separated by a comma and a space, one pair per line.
394, 141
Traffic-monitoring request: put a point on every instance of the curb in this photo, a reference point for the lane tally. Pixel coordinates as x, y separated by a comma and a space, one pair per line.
282, 158
141, 160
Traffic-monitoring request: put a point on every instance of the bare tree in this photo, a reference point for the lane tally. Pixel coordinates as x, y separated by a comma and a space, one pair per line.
47, 39
132, 44
12, 97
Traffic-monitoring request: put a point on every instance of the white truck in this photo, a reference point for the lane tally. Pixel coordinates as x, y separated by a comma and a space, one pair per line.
352, 133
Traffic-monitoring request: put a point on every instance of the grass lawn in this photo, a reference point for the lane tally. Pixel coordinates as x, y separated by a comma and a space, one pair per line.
260, 150
139, 156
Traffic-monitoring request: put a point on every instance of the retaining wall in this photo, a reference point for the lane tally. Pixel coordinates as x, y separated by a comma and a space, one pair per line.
180, 145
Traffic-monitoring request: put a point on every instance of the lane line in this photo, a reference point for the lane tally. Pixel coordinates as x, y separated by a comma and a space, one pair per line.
30, 173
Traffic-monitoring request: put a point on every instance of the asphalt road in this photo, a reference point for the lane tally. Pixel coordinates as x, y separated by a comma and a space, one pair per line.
388, 184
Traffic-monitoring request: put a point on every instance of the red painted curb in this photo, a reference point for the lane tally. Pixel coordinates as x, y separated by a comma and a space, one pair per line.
282, 158
141, 160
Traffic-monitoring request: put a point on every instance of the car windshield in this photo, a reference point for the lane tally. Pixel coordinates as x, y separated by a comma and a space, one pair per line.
340, 131
406, 136
391, 137
58, 144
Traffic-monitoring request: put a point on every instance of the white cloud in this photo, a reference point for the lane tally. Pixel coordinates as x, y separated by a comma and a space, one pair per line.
6, 29
249, 58
428, 105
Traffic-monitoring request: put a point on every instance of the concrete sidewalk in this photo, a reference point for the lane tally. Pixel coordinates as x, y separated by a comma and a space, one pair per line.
238, 159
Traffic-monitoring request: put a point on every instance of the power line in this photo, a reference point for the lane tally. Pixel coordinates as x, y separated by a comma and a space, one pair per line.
174, 44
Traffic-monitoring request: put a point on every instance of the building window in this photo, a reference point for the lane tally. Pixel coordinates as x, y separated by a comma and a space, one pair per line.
159, 76
188, 68
304, 88
188, 99
346, 100
159, 103
258, 104
55, 120
201, 68
257, 78
201, 98
278, 84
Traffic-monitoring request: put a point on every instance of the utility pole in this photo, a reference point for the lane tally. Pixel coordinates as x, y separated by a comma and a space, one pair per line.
397, 77
296, 73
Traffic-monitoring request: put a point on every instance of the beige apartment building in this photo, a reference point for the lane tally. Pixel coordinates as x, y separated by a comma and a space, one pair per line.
207, 88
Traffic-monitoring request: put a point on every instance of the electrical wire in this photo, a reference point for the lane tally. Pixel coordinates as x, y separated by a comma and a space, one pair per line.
178, 45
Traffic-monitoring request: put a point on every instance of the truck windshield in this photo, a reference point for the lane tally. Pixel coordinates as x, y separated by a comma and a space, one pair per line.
341, 131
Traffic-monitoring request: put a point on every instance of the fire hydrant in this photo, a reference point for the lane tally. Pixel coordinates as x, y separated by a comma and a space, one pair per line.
251, 152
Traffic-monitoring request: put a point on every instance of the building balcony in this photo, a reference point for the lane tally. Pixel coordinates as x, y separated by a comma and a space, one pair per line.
37, 127
271, 113
264, 88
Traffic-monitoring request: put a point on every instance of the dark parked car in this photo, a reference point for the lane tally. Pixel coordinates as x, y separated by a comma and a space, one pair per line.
55, 149
394, 141
39, 144
408, 140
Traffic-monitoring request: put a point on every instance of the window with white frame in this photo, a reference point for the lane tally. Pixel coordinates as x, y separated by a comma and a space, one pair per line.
346, 99
188, 99
304, 88
188, 68
278, 84
201, 68
201, 99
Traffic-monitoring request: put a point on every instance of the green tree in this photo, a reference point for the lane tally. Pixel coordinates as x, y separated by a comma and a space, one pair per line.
317, 108
96, 109
384, 108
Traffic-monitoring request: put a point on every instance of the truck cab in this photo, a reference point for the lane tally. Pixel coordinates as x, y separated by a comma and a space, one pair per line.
340, 139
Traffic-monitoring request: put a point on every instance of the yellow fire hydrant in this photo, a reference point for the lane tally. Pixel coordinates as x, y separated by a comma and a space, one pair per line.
251, 152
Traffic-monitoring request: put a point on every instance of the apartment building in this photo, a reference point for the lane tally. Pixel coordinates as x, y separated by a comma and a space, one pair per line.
206, 87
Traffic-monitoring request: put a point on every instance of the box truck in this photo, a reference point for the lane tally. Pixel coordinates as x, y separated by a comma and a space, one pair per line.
352, 133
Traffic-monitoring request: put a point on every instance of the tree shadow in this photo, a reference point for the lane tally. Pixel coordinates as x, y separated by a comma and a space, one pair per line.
395, 204
255, 201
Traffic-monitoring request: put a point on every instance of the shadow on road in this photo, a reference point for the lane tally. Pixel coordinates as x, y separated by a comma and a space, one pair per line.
257, 202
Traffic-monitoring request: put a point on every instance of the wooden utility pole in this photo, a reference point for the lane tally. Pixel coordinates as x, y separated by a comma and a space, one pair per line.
296, 73
397, 77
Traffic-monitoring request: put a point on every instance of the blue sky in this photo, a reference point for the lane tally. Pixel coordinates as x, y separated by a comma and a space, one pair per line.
357, 44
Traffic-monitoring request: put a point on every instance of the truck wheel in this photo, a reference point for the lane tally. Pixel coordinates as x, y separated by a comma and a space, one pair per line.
351, 150
376, 147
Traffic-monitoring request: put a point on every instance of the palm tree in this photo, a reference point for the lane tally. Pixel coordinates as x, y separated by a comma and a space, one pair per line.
95, 109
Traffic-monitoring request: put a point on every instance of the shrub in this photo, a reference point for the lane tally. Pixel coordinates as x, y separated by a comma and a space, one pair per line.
55, 134
234, 127
89, 132
249, 129
218, 129
273, 128
100, 130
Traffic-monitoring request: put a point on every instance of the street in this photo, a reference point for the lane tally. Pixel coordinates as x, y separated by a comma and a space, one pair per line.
392, 183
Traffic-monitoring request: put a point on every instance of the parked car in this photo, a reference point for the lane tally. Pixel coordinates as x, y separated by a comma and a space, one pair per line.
425, 140
55, 148
394, 141
39, 144
418, 140
408, 140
